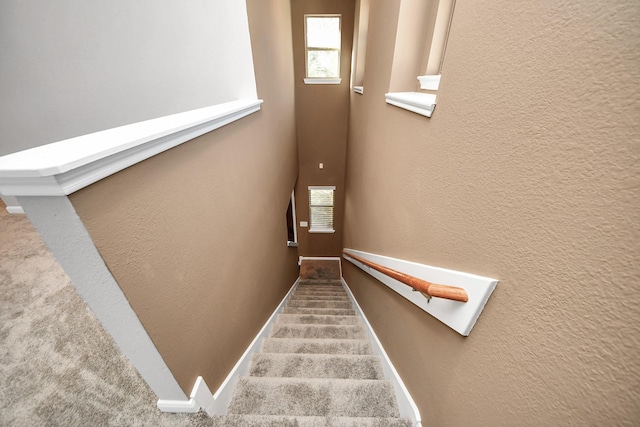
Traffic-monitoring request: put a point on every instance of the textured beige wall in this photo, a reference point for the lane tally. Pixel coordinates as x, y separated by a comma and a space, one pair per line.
179, 230
527, 172
322, 114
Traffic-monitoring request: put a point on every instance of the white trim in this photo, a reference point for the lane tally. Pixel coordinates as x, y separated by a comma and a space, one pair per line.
429, 82
359, 89
406, 405
63, 167
15, 209
12, 205
322, 230
69, 242
459, 316
200, 397
417, 102
322, 81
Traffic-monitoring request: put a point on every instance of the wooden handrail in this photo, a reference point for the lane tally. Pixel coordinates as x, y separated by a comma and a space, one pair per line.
428, 288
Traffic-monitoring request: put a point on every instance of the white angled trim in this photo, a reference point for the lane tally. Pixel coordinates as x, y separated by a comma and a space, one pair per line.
63, 167
222, 397
200, 397
15, 209
459, 316
359, 89
322, 81
421, 103
429, 82
406, 405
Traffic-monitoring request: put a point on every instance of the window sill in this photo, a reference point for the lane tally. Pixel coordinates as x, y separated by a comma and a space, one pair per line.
359, 89
420, 103
321, 230
429, 82
317, 81
292, 244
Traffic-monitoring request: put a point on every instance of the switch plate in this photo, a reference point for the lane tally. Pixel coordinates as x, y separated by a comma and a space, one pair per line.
304, 224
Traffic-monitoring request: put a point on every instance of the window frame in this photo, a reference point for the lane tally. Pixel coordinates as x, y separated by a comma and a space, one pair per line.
321, 80
313, 229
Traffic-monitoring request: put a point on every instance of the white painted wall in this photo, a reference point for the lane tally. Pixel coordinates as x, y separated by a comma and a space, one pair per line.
73, 67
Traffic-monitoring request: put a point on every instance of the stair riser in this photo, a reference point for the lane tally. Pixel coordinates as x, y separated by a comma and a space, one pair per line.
316, 331
319, 311
340, 398
319, 304
316, 366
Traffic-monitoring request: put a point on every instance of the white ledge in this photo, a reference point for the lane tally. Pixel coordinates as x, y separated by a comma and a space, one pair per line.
421, 103
322, 81
429, 82
322, 230
63, 167
359, 89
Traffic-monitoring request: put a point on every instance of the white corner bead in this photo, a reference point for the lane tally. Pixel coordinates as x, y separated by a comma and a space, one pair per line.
417, 102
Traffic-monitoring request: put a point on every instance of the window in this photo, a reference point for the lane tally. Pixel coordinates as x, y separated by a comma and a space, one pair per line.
292, 234
360, 45
321, 209
322, 49
421, 39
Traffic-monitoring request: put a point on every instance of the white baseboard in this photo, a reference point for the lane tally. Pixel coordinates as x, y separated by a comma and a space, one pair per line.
406, 405
217, 403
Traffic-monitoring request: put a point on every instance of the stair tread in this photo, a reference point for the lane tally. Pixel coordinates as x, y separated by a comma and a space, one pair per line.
316, 319
290, 365
316, 346
322, 397
249, 420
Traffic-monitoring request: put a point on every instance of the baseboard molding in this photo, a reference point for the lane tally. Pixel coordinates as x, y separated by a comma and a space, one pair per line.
406, 405
217, 403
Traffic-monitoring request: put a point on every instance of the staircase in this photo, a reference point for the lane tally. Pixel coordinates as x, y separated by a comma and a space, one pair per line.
316, 368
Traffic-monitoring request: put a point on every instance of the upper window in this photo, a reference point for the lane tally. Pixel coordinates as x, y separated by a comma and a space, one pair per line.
322, 46
321, 209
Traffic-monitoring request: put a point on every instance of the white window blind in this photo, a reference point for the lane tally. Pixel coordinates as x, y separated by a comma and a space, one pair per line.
321, 201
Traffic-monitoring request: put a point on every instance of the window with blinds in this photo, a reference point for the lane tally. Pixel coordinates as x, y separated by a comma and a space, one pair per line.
321, 201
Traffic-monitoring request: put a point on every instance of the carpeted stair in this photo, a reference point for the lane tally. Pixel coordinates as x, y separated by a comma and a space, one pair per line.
316, 368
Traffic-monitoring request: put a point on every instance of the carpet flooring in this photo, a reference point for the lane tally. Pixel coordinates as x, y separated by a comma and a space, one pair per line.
316, 368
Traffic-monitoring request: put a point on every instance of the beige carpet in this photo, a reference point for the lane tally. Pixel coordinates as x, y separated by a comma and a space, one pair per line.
58, 367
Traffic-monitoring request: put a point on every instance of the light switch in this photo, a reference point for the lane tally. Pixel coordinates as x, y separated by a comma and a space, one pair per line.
304, 224
321, 165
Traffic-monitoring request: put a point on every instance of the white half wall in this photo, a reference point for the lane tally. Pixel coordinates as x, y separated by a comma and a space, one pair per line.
74, 67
